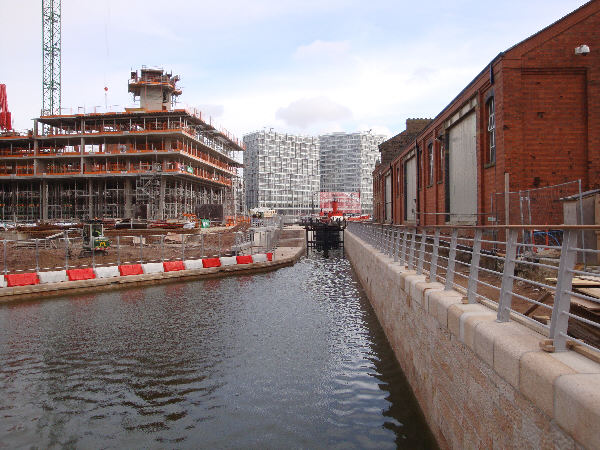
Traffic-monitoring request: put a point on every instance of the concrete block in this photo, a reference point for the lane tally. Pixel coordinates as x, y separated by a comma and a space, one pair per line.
228, 260
55, 276
577, 362
421, 290
259, 257
577, 407
153, 267
440, 301
193, 264
457, 310
2, 282
402, 279
538, 372
107, 272
410, 283
470, 321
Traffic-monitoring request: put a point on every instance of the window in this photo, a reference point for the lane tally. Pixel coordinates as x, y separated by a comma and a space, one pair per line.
430, 163
440, 159
491, 134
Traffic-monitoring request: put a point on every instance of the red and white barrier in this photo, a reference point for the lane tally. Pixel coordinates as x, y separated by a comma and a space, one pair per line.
81, 274
55, 276
153, 268
228, 260
59, 276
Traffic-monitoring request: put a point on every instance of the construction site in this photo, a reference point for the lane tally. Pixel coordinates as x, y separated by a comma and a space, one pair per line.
152, 162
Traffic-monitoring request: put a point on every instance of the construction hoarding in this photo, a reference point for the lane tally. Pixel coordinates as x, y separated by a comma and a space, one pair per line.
347, 202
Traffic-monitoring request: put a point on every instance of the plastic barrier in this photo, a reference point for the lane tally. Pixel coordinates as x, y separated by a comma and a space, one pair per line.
21, 279
228, 260
2, 281
211, 262
81, 274
259, 257
270, 256
107, 272
244, 259
193, 264
131, 269
173, 266
153, 268
55, 276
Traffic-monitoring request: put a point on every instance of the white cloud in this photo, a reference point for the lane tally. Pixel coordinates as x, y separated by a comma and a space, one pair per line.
308, 111
322, 50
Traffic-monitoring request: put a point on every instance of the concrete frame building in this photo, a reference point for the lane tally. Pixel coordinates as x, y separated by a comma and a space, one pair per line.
152, 162
281, 172
347, 162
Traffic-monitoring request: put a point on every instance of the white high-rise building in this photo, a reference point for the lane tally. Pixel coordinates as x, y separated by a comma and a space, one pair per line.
347, 163
281, 172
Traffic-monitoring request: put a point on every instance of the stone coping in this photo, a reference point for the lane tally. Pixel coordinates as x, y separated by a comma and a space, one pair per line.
564, 385
282, 257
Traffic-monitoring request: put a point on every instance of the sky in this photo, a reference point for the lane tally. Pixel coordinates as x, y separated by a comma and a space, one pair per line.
302, 67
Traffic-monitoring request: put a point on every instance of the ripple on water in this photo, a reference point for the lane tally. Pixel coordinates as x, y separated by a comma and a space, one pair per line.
291, 358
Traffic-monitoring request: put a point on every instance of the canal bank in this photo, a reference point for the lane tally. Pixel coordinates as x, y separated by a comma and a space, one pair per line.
291, 248
293, 358
480, 383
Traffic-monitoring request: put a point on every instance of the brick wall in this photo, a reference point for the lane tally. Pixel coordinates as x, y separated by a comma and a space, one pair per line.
547, 108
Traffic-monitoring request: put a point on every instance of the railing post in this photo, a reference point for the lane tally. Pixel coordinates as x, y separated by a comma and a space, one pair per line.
37, 257
395, 244
559, 323
508, 274
118, 250
451, 261
66, 250
141, 251
220, 243
404, 258
411, 256
421, 252
202, 245
162, 248
182, 247
433, 266
4, 251
474, 270
93, 255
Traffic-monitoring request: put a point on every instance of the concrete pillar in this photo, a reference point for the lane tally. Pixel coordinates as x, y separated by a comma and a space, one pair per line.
91, 198
44, 200
161, 198
128, 213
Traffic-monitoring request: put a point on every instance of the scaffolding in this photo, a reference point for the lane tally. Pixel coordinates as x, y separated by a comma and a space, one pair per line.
142, 163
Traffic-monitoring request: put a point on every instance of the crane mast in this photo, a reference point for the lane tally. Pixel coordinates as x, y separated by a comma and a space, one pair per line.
51, 24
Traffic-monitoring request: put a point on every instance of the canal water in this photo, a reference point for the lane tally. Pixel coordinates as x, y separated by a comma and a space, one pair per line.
292, 358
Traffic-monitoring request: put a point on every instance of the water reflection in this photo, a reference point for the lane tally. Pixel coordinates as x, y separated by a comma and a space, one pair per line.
293, 358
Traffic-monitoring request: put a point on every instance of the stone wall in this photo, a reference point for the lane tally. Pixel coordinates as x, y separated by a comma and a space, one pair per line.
480, 383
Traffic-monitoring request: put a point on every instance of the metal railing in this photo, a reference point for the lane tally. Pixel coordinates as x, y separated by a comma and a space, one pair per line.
66, 251
497, 267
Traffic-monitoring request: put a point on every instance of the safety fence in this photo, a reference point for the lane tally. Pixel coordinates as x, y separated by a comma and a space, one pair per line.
65, 251
492, 265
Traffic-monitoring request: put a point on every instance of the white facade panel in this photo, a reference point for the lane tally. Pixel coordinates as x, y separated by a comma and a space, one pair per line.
410, 189
462, 168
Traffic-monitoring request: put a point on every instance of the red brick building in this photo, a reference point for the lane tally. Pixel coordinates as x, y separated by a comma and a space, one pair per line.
530, 119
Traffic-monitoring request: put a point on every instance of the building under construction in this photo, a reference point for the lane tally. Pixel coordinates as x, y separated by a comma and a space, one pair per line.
153, 162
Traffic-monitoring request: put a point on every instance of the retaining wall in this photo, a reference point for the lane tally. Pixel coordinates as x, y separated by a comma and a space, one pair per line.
480, 383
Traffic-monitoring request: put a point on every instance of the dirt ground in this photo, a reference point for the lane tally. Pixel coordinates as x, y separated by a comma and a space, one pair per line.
133, 246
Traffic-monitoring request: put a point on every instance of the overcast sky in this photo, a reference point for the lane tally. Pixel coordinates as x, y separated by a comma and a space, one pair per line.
306, 67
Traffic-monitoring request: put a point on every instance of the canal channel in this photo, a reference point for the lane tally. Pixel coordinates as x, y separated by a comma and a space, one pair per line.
292, 358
